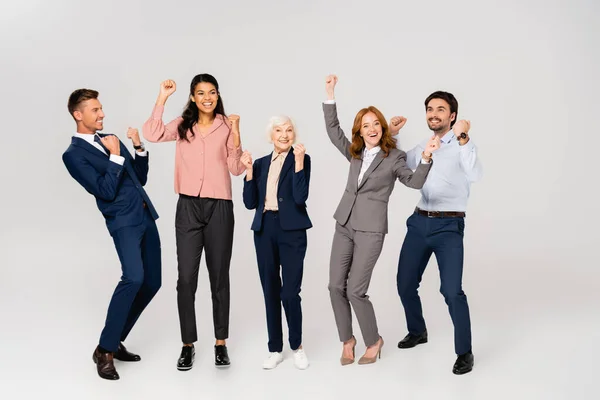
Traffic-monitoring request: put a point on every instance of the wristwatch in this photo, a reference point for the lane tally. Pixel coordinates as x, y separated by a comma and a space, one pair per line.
462, 136
140, 147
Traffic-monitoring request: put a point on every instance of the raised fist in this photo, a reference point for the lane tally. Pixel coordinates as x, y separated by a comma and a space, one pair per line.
330, 83
246, 159
396, 123
234, 121
134, 135
167, 87
112, 143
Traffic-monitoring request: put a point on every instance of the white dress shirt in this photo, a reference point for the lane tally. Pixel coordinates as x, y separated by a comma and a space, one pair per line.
112, 157
367, 159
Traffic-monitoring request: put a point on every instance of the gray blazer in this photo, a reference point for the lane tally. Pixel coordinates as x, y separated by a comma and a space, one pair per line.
366, 205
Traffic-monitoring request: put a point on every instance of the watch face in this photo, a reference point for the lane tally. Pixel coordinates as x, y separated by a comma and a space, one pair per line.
462, 136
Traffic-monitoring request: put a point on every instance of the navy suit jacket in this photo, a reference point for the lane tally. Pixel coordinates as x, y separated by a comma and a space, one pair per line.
118, 189
292, 192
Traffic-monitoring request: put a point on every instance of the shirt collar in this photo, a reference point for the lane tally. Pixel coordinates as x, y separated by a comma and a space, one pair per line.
447, 138
275, 154
85, 136
372, 152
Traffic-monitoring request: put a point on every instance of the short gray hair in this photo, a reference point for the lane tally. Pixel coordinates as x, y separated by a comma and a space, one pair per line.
279, 120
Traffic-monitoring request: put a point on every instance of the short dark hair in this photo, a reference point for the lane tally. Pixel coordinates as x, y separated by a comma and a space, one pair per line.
448, 98
79, 96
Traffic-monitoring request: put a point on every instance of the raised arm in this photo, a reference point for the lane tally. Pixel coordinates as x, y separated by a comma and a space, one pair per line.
250, 192
332, 124
404, 170
301, 177
469, 161
234, 147
154, 129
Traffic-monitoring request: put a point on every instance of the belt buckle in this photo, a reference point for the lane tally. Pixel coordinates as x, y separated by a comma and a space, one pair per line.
433, 214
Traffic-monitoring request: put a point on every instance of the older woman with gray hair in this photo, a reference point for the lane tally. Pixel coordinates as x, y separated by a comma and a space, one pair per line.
276, 186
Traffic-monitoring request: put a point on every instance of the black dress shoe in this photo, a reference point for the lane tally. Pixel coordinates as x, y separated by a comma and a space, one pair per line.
411, 340
104, 365
186, 359
221, 356
464, 363
123, 355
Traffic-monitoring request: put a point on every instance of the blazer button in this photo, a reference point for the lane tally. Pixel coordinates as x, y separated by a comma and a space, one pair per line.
281, 199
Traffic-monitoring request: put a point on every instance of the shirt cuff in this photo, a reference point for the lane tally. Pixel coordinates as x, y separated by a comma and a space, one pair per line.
425, 162
117, 159
467, 146
158, 111
141, 153
329, 102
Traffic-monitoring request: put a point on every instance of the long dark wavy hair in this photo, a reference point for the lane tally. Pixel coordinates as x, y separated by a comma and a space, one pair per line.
191, 113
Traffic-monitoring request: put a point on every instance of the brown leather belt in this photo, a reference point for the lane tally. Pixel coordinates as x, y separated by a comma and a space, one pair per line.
441, 214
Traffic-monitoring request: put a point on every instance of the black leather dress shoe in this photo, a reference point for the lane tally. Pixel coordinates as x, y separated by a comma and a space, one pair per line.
186, 359
123, 355
105, 366
221, 356
464, 363
411, 340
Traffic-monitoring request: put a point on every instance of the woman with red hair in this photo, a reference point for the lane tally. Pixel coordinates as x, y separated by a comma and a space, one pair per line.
375, 164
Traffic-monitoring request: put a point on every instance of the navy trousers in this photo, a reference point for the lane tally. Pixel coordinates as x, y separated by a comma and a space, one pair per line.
444, 238
138, 248
274, 248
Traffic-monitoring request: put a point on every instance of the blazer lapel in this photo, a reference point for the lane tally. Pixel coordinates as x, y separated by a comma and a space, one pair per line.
287, 165
378, 159
75, 141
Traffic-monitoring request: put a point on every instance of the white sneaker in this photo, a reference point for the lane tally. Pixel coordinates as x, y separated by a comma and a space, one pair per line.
300, 359
273, 360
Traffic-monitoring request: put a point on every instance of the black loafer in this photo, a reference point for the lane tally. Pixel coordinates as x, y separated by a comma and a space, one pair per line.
123, 355
411, 340
221, 356
186, 358
464, 363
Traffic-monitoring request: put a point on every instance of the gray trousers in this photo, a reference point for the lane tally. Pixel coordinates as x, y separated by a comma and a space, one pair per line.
353, 257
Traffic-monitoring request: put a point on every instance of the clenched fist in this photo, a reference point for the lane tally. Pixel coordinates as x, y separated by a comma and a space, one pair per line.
396, 123
112, 143
432, 145
234, 121
461, 126
167, 88
134, 135
330, 83
246, 159
299, 152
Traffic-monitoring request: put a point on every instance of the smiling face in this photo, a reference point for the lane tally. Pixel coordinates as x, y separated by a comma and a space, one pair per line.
438, 115
371, 130
206, 97
283, 137
89, 116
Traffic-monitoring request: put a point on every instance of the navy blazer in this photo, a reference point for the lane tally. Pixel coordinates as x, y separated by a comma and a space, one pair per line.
118, 189
292, 192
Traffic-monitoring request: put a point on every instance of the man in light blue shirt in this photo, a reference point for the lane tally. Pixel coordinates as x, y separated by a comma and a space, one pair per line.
437, 225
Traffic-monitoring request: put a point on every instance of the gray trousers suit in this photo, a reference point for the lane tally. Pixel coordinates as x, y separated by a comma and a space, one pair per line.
361, 226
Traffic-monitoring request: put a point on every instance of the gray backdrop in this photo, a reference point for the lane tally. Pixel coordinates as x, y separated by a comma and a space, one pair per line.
525, 74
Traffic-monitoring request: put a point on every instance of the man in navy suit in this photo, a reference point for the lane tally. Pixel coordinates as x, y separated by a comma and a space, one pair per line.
104, 167
277, 187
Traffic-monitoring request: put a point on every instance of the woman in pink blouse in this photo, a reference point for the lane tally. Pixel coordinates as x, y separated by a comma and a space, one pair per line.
208, 149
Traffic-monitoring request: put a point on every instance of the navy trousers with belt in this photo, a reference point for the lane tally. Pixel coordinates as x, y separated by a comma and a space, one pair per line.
444, 238
274, 248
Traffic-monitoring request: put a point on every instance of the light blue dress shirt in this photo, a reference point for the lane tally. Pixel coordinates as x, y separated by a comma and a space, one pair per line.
454, 168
